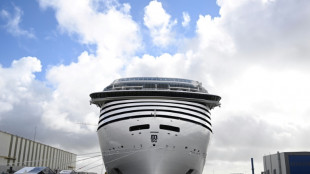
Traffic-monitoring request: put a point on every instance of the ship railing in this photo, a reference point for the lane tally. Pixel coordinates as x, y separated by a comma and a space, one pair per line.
127, 87
183, 89
156, 88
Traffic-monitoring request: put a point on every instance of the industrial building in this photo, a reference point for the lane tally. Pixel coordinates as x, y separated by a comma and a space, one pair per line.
287, 163
18, 152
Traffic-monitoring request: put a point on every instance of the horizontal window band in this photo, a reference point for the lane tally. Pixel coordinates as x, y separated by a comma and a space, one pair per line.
157, 102
170, 128
164, 110
156, 109
160, 116
139, 127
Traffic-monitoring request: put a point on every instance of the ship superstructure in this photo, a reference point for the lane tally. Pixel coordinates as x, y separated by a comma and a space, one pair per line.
153, 125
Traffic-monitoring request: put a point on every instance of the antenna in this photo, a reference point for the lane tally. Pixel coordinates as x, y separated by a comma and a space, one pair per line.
252, 163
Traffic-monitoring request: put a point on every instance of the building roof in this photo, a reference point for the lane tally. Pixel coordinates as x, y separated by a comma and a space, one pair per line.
34, 170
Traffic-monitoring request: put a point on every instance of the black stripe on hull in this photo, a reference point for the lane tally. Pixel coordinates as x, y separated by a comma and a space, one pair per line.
187, 104
160, 116
193, 110
214, 99
164, 110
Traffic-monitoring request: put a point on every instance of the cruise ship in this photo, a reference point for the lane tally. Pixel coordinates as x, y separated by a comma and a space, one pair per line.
154, 125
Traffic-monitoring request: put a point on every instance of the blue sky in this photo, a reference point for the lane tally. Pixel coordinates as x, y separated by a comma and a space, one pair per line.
53, 46
49, 44
252, 53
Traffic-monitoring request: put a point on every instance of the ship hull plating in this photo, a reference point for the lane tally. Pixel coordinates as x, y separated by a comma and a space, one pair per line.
154, 125
153, 150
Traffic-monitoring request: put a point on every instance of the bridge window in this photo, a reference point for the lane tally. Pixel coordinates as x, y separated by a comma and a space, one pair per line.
139, 127
170, 128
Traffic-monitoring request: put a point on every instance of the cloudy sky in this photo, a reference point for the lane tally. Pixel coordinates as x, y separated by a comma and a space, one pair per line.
255, 54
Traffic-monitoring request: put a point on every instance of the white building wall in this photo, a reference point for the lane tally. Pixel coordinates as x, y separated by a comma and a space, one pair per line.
43, 151
30, 153
40, 159
271, 162
52, 158
46, 156
10, 155
14, 150
272, 165
4, 146
49, 160
283, 164
61, 159
35, 155
20, 152
27, 157
17, 152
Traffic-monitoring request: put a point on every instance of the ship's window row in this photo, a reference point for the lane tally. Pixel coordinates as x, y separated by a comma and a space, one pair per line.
170, 128
154, 79
152, 85
148, 85
189, 171
139, 127
147, 126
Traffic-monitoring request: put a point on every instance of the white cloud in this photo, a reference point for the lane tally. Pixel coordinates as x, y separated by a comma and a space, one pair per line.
16, 80
186, 19
13, 23
73, 84
212, 35
260, 29
157, 20
109, 26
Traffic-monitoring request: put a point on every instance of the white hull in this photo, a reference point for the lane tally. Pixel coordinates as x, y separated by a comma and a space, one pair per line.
154, 125
133, 152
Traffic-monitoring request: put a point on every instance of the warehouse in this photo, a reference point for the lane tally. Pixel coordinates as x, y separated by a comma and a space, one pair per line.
287, 163
17, 152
